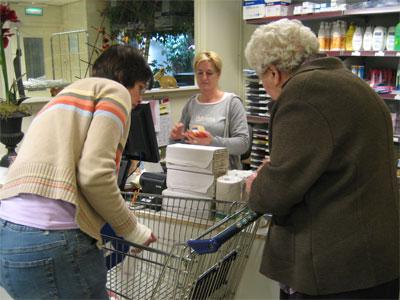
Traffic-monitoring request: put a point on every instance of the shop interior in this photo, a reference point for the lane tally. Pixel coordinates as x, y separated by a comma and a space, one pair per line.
58, 40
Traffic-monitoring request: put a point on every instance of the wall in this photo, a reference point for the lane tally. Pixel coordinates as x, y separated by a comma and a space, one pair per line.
218, 27
83, 14
39, 27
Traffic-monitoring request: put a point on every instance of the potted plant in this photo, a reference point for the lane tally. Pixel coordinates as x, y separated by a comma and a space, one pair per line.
11, 112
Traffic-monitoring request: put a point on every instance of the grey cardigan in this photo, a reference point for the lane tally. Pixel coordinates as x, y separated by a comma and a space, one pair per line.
331, 184
225, 120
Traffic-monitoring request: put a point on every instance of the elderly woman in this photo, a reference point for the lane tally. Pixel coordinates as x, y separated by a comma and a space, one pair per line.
220, 116
330, 183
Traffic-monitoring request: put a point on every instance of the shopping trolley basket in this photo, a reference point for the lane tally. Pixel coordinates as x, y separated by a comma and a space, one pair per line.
201, 249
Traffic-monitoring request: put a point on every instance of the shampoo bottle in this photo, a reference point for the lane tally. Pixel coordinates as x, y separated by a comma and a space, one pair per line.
397, 37
357, 39
390, 38
349, 37
328, 36
367, 39
335, 43
379, 38
322, 37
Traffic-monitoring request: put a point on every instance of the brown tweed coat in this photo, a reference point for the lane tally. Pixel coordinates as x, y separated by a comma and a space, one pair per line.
331, 184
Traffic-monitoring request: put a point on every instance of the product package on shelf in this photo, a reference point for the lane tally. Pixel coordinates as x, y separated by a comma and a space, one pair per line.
257, 98
259, 147
253, 9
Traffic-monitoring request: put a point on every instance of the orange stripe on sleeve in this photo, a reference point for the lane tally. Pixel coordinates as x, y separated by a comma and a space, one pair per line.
112, 108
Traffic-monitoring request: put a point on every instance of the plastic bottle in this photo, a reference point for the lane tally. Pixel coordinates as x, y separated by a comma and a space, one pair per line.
357, 39
343, 26
349, 37
367, 39
398, 78
379, 38
397, 37
390, 38
335, 44
322, 37
328, 36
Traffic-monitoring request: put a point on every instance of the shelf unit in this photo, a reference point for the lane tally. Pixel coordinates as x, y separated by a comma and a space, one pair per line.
330, 14
257, 110
385, 15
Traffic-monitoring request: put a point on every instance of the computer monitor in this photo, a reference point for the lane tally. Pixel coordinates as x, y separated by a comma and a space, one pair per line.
142, 141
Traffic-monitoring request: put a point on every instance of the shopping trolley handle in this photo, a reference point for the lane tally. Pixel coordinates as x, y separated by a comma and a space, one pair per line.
211, 245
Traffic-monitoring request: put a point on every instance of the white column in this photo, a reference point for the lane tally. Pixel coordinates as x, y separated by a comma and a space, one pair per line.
218, 27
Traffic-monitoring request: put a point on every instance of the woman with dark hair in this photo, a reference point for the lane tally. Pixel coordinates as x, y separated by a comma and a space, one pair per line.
62, 187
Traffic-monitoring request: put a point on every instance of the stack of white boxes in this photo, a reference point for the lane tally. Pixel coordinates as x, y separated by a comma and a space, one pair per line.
192, 171
255, 9
277, 8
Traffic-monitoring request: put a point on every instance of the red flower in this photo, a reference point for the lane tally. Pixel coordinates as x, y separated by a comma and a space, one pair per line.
7, 14
5, 33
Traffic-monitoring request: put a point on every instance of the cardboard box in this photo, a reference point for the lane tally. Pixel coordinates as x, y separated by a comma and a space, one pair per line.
185, 204
191, 182
297, 10
197, 158
253, 9
277, 2
276, 10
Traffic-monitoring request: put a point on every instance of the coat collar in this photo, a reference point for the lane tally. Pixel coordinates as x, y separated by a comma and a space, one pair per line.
317, 63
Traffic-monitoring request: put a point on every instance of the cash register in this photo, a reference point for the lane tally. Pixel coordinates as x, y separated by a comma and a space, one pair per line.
142, 146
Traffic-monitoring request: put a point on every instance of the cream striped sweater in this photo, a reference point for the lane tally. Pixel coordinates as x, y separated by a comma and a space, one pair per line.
72, 151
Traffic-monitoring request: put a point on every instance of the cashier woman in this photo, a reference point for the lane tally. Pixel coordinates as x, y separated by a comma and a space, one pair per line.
213, 117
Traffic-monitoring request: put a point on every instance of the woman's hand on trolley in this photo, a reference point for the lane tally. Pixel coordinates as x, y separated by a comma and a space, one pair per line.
147, 243
250, 179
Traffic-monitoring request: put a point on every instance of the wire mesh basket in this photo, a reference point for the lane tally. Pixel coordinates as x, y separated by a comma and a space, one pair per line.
201, 249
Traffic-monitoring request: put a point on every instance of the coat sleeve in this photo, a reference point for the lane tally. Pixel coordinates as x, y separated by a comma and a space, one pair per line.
302, 149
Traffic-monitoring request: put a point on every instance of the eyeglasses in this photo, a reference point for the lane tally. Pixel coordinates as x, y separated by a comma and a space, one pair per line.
143, 87
142, 90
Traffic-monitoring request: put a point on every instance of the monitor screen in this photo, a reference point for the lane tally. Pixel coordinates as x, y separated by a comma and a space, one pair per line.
142, 141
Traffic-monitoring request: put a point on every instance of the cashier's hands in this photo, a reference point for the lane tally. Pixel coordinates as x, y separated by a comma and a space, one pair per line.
198, 137
250, 179
191, 136
177, 132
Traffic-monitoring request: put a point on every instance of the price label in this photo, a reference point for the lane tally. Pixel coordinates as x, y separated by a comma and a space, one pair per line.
398, 53
395, 139
380, 53
355, 53
397, 97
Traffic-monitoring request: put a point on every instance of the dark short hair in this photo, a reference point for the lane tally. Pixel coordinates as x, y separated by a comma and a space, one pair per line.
123, 64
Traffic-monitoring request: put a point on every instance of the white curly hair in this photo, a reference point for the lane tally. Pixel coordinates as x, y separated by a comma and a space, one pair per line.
284, 43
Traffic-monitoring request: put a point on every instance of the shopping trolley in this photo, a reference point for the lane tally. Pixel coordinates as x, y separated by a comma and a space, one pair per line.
201, 250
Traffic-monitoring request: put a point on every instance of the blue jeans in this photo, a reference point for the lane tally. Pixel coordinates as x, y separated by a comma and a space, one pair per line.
41, 264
